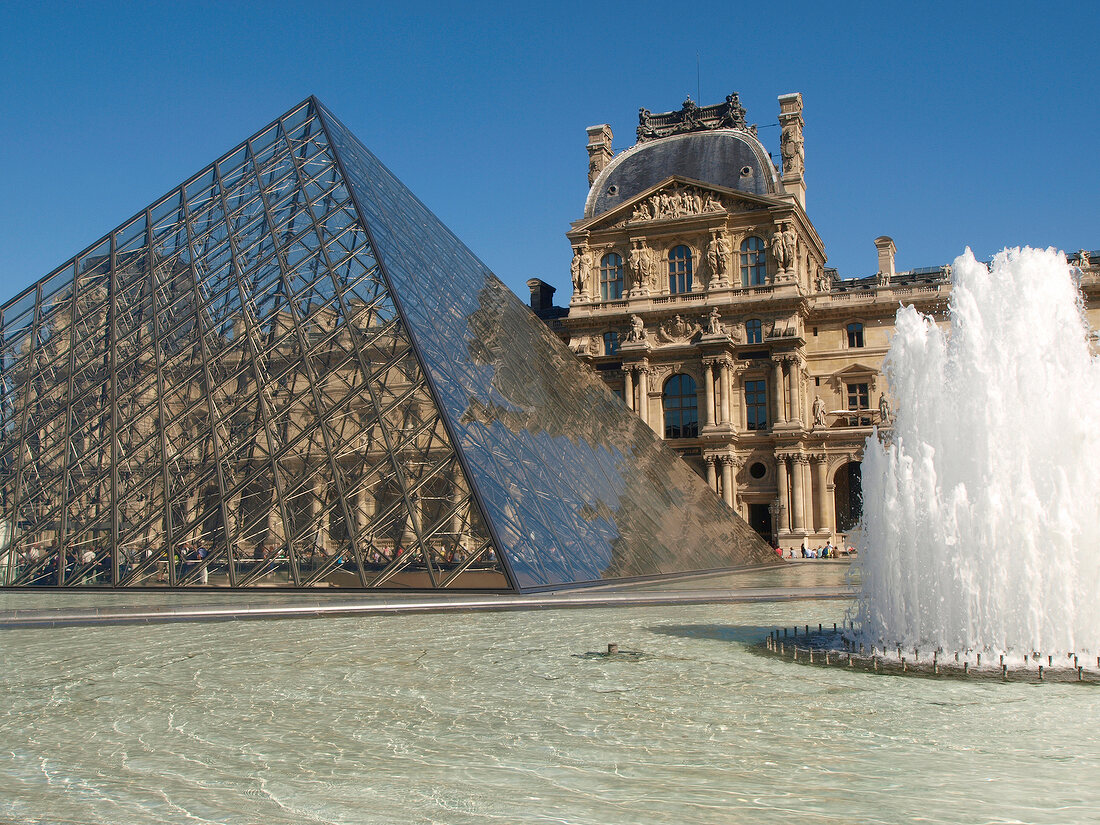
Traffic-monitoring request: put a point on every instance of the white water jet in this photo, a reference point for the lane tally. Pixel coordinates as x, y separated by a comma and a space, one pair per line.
981, 511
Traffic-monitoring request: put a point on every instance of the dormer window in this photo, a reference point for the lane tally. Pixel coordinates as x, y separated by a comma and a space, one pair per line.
611, 276
679, 269
754, 270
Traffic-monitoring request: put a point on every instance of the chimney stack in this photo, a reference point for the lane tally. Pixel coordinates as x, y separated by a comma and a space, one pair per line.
886, 250
599, 150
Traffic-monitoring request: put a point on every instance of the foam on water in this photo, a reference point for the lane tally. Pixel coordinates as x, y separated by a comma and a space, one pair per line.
981, 511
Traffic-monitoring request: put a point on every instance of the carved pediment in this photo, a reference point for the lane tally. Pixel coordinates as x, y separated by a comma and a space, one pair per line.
675, 198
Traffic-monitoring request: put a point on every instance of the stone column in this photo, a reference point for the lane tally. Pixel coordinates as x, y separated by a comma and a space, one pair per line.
779, 416
708, 385
821, 518
712, 475
628, 391
795, 385
784, 499
724, 388
643, 392
737, 400
728, 492
797, 503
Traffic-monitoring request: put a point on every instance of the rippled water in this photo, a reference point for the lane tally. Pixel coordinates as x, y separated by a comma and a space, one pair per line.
480, 718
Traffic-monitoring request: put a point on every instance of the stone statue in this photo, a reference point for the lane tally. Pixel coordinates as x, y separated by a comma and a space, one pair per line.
714, 322
718, 256
824, 282
641, 264
637, 329
712, 204
885, 414
784, 247
579, 270
1083, 261
819, 412
790, 146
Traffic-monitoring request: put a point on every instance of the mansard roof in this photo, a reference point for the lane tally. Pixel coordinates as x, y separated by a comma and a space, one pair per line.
732, 158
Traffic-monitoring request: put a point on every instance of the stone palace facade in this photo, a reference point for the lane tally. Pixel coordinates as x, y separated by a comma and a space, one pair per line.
702, 297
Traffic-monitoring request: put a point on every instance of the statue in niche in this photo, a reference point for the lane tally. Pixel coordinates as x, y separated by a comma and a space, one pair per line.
885, 414
784, 247
579, 270
637, 329
714, 322
641, 264
718, 255
819, 413
790, 146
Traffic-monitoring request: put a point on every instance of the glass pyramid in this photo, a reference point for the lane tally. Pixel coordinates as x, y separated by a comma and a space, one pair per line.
288, 373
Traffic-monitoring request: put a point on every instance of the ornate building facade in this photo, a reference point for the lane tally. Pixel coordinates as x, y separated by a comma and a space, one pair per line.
702, 297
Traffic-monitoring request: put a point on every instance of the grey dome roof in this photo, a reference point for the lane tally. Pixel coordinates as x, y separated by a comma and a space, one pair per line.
731, 158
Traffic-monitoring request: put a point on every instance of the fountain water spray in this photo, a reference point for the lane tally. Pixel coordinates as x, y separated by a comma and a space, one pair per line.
981, 509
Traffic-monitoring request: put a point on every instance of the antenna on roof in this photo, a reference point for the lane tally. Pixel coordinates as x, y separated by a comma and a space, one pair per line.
698, 80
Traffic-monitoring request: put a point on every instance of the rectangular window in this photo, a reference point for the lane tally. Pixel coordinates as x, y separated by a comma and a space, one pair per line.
855, 335
859, 399
756, 405
610, 343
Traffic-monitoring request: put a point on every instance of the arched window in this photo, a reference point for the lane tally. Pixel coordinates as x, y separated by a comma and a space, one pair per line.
855, 335
754, 331
611, 276
754, 270
681, 407
679, 269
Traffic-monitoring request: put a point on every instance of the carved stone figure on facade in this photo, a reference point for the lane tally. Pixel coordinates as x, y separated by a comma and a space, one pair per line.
712, 204
790, 146
579, 272
718, 255
824, 282
784, 247
642, 212
1083, 261
714, 322
677, 331
819, 413
637, 329
885, 414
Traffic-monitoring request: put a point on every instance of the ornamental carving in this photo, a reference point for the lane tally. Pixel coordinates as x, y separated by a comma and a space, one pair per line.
729, 114
676, 201
677, 331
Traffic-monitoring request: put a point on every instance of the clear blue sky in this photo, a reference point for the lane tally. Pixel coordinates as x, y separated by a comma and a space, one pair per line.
942, 125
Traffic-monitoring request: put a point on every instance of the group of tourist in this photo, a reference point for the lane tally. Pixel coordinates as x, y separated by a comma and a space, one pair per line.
828, 551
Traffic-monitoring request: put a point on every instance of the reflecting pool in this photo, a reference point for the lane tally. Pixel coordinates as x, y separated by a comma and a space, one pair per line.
499, 717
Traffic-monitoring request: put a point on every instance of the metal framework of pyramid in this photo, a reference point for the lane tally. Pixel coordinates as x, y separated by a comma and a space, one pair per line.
288, 373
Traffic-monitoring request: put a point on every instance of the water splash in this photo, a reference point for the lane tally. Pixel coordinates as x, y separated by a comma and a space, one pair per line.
981, 519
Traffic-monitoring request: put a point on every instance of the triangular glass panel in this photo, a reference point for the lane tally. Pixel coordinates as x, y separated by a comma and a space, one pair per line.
287, 373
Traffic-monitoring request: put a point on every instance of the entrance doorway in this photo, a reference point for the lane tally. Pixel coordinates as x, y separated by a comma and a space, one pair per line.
760, 520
